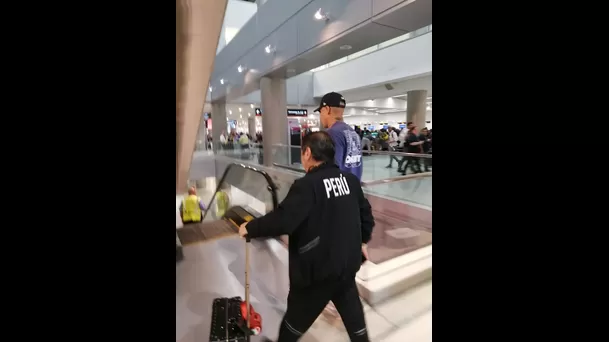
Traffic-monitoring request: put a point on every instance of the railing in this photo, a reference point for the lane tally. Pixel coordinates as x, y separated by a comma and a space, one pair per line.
383, 45
401, 205
249, 181
376, 179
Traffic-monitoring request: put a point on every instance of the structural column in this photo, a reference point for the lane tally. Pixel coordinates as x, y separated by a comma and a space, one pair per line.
218, 123
202, 135
198, 26
416, 107
274, 121
251, 126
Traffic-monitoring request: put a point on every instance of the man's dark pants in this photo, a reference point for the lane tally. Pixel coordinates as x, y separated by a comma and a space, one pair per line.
306, 304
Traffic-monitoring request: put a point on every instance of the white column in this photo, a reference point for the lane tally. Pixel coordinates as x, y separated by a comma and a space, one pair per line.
416, 107
251, 126
201, 144
198, 26
218, 122
274, 120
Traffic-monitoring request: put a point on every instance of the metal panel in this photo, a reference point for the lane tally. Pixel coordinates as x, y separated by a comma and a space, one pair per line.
359, 39
276, 12
285, 41
343, 14
305, 89
409, 16
379, 6
246, 38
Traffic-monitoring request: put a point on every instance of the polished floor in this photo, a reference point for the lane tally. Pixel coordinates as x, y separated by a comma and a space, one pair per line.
216, 270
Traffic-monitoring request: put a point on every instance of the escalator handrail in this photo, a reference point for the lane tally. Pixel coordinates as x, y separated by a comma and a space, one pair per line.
269, 180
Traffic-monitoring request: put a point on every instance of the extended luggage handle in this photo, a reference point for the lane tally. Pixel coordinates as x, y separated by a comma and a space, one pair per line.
247, 283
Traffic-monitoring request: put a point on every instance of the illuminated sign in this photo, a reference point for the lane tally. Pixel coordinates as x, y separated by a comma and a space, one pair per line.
297, 112
290, 112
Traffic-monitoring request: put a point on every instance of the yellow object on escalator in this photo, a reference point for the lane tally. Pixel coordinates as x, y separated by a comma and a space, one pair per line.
222, 203
191, 212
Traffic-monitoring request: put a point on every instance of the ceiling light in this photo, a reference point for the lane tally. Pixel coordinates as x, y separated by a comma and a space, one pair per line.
270, 49
221, 81
321, 16
345, 47
252, 105
428, 107
230, 112
240, 68
210, 89
249, 114
239, 109
240, 116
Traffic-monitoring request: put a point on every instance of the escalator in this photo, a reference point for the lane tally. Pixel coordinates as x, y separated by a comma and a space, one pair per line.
223, 218
213, 263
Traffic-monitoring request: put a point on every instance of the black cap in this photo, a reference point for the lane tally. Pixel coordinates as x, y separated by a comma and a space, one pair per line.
332, 100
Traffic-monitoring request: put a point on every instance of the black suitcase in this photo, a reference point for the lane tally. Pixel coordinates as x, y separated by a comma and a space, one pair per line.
227, 321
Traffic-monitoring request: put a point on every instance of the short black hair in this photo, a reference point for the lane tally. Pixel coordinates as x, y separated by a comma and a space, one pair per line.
321, 145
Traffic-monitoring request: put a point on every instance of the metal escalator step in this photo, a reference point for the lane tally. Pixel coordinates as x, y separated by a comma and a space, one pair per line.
205, 231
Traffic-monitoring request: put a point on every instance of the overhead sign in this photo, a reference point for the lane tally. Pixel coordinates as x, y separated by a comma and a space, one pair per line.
290, 112
297, 112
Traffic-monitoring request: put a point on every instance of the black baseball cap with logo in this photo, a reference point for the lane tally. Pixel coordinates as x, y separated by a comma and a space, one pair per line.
332, 100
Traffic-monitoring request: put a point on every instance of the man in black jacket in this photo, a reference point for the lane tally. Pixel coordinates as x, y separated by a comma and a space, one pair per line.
329, 222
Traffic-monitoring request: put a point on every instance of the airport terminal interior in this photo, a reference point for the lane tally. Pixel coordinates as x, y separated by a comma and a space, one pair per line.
249, 77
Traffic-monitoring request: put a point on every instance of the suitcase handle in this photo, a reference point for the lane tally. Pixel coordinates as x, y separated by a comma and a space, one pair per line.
247, 283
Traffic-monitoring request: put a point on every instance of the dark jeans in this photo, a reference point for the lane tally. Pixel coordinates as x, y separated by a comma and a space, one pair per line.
413, 162
305, 305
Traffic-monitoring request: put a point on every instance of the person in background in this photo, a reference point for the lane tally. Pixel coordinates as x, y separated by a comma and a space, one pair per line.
412, 145
366, 144
426, 147
329, 221
393, 143
244, 141
347, 142
402, 143
223, 139
192, 208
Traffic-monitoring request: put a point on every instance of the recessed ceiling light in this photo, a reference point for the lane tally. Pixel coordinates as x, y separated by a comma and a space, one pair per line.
239, 109
249, 114
346, 47
240, 68
230, 112
221, 81
269, 49
252, 105
319, 15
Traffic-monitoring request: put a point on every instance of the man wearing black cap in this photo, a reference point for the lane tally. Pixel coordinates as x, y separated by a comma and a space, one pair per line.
347, 142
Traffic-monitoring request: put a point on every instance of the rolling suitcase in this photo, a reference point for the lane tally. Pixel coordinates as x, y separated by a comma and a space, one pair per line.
231, 320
